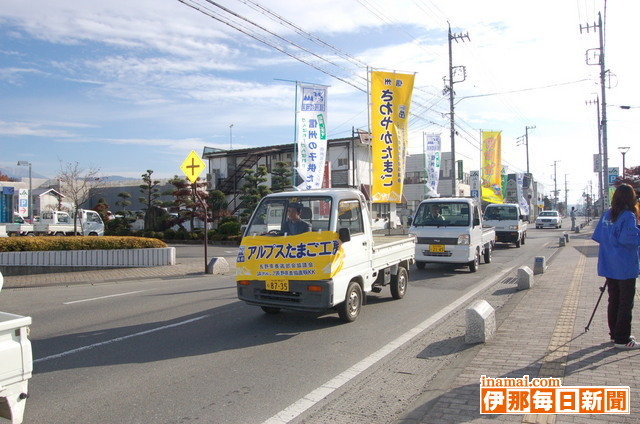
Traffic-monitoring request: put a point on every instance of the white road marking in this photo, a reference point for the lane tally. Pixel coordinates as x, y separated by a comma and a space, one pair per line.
297, 408
118, 339
103, 297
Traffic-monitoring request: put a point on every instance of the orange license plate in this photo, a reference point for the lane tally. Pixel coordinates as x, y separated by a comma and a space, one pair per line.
436, 248
277, 285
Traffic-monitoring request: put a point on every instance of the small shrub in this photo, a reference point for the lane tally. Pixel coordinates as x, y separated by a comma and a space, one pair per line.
30, 244
229, 228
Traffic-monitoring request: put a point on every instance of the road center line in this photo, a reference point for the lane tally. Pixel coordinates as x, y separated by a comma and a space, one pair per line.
297, 408
118, 339
103, 297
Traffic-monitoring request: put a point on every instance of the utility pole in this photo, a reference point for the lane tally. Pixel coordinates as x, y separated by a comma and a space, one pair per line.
526, 142
603, 105
449, 88
555, 184
602, 183
566, 195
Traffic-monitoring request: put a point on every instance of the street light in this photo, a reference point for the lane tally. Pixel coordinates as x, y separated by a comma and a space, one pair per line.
624, 151
30, 197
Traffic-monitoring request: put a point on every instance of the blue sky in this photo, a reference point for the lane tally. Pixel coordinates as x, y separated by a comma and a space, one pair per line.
128, 86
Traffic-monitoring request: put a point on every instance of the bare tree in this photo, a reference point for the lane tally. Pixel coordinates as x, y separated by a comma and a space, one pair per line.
76, 184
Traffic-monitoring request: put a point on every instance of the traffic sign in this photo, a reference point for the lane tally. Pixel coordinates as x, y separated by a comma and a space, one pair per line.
192, 166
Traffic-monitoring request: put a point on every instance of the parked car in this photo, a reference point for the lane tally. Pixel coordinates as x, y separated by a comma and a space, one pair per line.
551, 219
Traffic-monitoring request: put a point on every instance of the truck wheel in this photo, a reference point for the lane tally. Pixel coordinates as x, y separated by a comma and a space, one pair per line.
475, 263
399, 283
487, 254
420, 265
270, 309
350, 308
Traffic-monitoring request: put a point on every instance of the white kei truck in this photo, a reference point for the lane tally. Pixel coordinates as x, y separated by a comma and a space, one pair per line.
509, 222
450, 230
331, 266
16, 364
59, 223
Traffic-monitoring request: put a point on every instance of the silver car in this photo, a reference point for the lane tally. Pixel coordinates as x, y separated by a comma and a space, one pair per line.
549, 219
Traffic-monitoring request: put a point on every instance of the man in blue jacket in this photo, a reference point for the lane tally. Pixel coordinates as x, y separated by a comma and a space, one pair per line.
619, 262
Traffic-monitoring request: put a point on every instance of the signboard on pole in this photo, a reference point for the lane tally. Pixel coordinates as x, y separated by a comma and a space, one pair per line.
192, 166
23, 202
614, 173
474, 181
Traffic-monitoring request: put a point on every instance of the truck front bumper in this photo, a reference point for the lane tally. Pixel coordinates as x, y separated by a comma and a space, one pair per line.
453, 254
299, 297
507, 236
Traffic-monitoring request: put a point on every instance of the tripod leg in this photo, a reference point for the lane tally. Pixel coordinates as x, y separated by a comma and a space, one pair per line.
602, 289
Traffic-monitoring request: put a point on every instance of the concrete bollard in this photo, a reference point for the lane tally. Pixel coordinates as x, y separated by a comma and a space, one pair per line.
481, 322
539, 265
1, 281
218, 266
525, 278
561, 241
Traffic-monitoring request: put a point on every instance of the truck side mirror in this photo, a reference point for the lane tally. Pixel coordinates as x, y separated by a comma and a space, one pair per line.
476, 222
523, 217
344, 235
409, 221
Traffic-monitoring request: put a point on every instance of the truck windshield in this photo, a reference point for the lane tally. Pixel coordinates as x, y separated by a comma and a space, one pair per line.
281, 216
437, 214
501, 213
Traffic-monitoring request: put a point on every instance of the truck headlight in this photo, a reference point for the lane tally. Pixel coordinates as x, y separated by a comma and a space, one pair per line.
513, 227
463, 239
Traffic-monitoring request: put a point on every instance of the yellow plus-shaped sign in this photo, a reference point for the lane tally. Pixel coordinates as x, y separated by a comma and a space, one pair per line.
192, 166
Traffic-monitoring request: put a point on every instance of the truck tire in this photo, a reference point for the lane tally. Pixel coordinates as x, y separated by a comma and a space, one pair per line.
475, 263
420, 265
270, 310
350, 308
487, 254
399, 283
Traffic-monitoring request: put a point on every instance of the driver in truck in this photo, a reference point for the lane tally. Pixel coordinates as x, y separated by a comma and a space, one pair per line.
294, 225
435, 214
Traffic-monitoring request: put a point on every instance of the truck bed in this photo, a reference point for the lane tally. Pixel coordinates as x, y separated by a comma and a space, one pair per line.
390, 250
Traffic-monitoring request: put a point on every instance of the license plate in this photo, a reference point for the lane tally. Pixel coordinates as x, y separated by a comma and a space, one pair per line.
436, 248
277, 285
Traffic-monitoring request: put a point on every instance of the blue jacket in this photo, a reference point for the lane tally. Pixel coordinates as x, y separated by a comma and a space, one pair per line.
618, 256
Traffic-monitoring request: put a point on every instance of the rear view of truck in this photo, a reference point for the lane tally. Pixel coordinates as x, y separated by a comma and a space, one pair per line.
16, 364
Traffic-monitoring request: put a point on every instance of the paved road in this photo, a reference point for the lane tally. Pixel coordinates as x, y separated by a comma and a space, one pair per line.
161, 350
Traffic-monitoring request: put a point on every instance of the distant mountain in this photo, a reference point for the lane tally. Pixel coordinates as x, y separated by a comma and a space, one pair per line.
19, 172
118, 178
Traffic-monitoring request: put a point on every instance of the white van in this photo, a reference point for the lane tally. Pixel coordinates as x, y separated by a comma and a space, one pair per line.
509, 221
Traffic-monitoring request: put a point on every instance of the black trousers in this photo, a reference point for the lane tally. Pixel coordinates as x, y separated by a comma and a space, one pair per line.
621, 294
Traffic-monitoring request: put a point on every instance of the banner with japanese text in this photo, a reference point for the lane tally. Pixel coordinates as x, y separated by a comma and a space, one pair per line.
390, 103
432, 162
492, 166
307, 256
522, 201
312, 134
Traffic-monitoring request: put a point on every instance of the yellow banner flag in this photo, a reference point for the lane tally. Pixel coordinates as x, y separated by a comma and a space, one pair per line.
492, 166
307, 256
390, 103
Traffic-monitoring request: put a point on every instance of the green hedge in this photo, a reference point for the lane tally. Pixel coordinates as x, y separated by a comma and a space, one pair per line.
30, 244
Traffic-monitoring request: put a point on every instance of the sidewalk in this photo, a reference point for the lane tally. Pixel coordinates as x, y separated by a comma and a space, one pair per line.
544, 336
